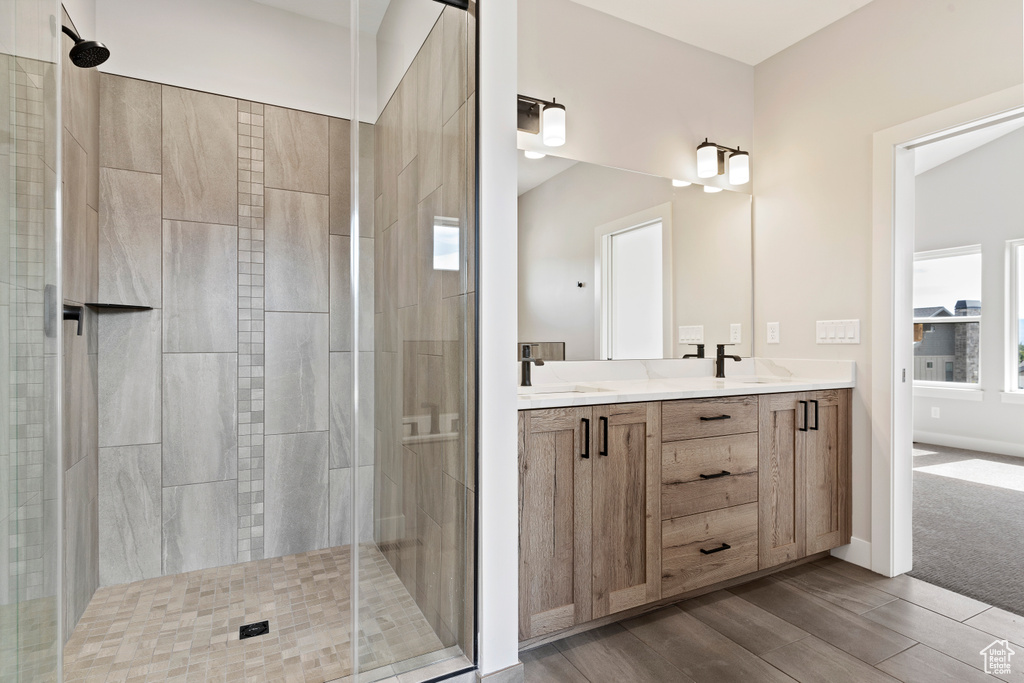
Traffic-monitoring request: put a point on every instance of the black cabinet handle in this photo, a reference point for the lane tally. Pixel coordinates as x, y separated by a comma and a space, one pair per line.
713, 419
723, 473
74, 313
586, 438
815, 427
724, 546
604, 427
804, 404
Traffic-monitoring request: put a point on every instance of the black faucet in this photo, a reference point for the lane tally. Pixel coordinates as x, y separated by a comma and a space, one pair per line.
699, 354
526, 365
720, 361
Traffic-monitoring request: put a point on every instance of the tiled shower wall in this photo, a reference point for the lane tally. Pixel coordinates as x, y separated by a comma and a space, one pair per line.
80, 108
225, 411
425, 182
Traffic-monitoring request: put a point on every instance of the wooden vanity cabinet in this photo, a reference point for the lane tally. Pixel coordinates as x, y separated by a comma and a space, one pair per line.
589, 522
623, 505
804, 465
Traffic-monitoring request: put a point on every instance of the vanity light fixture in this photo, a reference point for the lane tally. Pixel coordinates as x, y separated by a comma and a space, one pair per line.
711, 190
543, 117
681, 183
534, 155
711, 161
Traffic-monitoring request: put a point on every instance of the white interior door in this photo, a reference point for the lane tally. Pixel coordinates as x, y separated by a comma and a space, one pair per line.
635, 286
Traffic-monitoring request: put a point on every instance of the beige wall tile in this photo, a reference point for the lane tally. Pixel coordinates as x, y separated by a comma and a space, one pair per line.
130, 378
200, 157
200, 287
297, 251
130, 124
129, 238
297, 150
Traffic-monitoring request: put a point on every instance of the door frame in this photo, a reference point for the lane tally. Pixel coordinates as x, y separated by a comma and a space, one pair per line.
891, 391
602, 240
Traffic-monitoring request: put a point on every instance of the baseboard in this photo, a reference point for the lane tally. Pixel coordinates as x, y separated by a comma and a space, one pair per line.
857, 551
970, 443
513, 674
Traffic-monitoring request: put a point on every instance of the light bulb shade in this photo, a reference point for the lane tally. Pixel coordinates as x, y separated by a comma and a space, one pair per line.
553, 125
681, 183
739, 168
534, 155
707, 160
712, 190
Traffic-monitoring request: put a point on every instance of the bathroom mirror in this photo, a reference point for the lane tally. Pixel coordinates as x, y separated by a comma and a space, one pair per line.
622, 265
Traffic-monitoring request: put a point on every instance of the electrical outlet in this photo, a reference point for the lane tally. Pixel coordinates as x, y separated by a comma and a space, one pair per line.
773, 333
736, 333
935, 413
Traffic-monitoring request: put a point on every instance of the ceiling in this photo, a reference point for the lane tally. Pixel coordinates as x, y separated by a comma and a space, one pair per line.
371, 12
749, 31
534, 172
935, 154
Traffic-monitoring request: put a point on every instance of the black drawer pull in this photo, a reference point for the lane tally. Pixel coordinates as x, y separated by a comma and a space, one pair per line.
713, 419
724, 546
586, 438
804, 428
723, 473
815, 427
604, 424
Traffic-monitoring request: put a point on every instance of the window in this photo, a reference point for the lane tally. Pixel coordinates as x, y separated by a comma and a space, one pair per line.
1016, 330
947, 316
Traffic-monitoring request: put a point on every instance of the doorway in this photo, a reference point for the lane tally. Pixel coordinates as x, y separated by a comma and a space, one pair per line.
893, 319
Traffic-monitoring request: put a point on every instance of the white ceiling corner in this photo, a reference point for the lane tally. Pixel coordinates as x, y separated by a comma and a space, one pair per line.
748, 31
371, 12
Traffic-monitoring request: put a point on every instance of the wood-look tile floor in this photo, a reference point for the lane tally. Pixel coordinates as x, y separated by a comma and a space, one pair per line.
185, 627
827, 621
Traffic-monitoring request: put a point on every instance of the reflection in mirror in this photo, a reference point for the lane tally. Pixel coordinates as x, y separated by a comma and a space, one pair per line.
622, 265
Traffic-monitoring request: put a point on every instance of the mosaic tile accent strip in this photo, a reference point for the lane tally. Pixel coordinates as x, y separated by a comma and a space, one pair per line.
185, 627
23, 454
251, 363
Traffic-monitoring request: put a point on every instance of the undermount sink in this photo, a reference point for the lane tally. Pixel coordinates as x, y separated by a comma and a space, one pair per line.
558, 389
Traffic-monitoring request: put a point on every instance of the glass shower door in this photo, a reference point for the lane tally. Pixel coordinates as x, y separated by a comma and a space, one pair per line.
30, 340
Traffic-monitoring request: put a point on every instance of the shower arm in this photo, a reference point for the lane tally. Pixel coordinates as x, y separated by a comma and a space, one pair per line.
74, 36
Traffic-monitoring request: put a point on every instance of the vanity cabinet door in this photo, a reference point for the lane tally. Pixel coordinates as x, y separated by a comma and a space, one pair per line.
554, 520
827, 464
626, 554
781, 505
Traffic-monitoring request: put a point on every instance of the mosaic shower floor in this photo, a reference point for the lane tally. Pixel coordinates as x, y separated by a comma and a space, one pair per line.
185, 627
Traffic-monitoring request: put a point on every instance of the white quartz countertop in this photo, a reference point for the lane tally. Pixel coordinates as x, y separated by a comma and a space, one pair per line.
565, 384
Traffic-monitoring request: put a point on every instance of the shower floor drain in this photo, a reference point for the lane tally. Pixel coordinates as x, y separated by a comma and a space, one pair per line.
252, 630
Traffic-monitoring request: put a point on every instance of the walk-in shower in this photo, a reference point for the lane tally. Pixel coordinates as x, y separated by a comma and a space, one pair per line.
257, 461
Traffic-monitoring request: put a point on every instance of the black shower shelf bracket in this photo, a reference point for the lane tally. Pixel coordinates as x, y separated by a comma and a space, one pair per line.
114, 308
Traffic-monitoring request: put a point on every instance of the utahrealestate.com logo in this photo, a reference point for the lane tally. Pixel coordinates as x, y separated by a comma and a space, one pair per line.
997, 658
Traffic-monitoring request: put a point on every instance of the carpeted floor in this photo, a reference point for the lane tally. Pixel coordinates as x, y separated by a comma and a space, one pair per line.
969, 536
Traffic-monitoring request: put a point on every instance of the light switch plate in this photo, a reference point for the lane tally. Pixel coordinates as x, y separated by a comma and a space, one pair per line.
838, 332
691, 334
736, 333
773, 333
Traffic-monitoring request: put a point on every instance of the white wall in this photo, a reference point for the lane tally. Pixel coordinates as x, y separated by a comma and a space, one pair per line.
405, 26
976, 198
634, 99
498, 474
83, 13
816, 107
711, 255
241, 49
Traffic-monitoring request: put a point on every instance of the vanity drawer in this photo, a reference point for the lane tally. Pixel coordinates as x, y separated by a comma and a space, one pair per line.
684, 567
700, 418
707, 474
